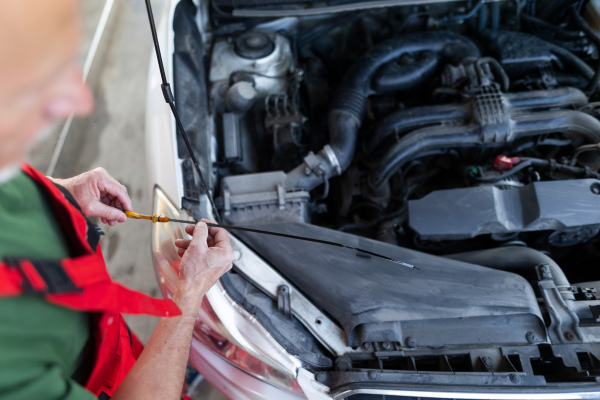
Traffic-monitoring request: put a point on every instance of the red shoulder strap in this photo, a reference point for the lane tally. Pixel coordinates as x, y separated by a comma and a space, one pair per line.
81, 282
73, 222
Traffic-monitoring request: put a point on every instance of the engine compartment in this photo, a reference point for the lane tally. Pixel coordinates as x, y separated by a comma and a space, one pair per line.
418, 112
466, 132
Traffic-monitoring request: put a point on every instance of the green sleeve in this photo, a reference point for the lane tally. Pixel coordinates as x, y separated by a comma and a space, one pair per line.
40, 343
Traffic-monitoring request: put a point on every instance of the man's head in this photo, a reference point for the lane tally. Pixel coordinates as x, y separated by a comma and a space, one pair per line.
40, 80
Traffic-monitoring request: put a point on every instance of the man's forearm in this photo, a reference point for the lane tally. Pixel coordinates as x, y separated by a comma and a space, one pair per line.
159, 372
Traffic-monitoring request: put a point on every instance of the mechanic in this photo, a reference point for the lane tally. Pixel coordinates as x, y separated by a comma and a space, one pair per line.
61, 331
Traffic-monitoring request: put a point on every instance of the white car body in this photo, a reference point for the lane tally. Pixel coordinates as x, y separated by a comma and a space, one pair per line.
165, 174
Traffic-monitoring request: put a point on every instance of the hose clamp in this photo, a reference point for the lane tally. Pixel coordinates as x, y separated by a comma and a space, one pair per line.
332, 159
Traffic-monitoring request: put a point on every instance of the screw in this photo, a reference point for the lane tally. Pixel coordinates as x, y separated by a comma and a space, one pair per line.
544, 268
372, 374
367, 346
488, 362
531, 337
322, 377
595, 188
569, 336
411, 342
514, 378
386, 345
237, 255
344, 363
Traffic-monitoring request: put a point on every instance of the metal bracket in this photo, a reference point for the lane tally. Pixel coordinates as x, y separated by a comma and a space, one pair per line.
313, 164
227, 202
284, 302
564, 323
280, 196
595, 310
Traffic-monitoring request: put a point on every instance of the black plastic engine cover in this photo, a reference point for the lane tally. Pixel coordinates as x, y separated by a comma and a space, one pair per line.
467, 212
444, 303
519, 53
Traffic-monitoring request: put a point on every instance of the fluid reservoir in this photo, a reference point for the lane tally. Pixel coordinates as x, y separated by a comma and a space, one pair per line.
261, 57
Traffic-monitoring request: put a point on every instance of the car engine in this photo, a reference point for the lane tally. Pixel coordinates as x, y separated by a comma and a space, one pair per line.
421, 121
464, 137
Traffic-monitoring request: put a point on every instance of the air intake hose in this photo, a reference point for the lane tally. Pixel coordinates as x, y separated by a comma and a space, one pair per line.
350, 102
519, 260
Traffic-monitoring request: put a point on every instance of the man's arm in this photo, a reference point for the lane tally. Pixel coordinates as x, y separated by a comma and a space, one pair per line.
160, 370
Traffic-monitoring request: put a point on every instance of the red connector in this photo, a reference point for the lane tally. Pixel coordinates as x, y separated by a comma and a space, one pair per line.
504, 163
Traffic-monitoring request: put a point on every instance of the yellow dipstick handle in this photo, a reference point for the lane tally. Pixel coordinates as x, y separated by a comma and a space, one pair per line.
153, 218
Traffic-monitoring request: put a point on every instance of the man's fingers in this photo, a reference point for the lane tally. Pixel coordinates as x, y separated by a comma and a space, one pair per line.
198, 241
189, 229
210, 241
183, 243
180, 252
119, 205
111, 214
216, 235
108, 184
221, 238
210, 228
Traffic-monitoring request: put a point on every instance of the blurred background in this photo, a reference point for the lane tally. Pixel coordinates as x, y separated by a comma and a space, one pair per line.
116, 53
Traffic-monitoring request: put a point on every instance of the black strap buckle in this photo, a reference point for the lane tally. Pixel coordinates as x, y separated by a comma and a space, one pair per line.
93, 231
52, 273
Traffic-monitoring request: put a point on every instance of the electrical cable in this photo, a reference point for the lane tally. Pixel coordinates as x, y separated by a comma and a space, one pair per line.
170, 99
562, 32
461, 17
550, 165
509, 173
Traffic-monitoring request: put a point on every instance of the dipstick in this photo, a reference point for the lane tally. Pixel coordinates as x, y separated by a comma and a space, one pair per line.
160, 218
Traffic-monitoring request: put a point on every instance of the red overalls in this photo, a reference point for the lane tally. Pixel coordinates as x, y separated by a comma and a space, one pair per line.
82, 283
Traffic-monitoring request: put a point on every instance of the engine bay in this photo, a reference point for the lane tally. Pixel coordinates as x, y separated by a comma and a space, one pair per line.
466, 132
374, 137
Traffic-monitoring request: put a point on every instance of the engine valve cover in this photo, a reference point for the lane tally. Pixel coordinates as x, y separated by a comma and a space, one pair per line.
469, 212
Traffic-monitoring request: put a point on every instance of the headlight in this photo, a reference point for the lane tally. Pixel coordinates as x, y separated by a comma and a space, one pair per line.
222, 324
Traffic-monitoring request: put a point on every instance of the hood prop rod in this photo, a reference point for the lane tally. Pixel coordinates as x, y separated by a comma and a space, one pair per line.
170, 99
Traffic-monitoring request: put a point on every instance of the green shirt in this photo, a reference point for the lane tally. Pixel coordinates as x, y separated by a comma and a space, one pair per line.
40, 343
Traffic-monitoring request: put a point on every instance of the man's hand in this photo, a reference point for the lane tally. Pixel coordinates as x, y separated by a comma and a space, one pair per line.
159, 371
204, 258
99, 195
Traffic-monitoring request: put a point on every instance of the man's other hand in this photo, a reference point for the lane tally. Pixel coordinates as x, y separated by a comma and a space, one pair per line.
204, 258
99, 195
